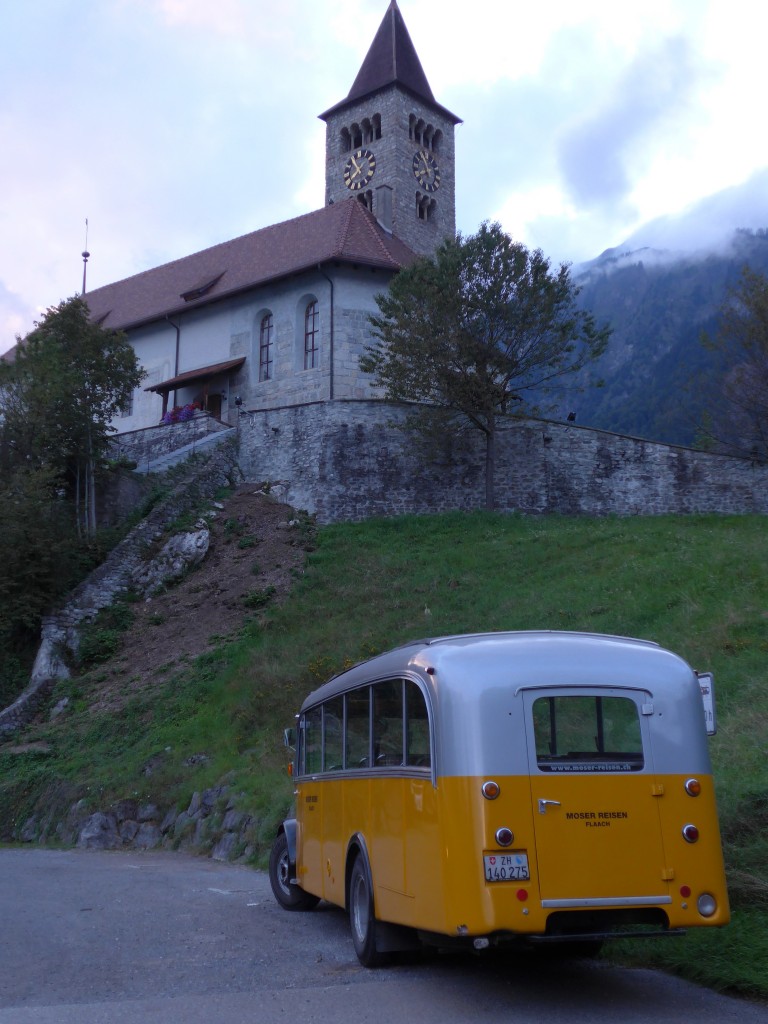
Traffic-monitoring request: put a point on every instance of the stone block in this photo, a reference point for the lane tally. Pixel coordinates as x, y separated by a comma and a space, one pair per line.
99, 833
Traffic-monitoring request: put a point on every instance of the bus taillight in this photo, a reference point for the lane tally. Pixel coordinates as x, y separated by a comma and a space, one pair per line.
690, 834
505, 836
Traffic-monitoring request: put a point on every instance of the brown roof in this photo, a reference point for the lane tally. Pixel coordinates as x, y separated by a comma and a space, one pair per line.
202, 373
345, 232
391, 60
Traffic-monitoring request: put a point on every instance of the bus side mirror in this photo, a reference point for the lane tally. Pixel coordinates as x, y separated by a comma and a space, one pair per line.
289, 738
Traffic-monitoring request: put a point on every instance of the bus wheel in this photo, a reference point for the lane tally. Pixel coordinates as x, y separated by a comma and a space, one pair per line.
281, 873
361, 918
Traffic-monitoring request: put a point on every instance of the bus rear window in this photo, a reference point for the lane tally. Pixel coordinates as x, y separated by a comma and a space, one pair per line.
587, 734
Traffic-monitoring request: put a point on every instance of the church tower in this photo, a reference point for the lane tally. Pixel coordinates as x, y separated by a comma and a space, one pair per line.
391, 145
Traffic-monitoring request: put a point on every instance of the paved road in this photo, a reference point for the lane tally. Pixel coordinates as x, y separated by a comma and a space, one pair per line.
113, 938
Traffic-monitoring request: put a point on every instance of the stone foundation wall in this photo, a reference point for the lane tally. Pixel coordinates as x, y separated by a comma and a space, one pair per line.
348, 460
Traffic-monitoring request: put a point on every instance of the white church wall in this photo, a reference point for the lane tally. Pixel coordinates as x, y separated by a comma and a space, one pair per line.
155, 347
227, 330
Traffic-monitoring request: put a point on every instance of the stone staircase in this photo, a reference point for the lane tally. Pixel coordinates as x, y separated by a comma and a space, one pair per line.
200, 444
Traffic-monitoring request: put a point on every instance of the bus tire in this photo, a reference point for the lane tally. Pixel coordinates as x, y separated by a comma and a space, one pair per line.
281, 874
361, 916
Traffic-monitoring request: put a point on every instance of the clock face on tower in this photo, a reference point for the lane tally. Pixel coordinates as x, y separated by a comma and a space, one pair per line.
426, 170
359, 169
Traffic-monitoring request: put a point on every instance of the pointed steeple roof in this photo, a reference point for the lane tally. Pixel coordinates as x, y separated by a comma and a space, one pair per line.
391, 60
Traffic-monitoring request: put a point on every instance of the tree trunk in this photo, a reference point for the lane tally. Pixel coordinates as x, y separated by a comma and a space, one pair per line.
77, 501
91, 499
490, 463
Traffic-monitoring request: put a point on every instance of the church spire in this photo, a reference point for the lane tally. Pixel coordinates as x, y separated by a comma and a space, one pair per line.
391, 59
391, 145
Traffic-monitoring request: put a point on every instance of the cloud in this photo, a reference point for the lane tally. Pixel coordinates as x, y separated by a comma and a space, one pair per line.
709, 223
176, 124
602, 155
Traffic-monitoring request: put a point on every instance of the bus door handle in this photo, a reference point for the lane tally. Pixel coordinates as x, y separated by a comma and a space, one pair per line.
544, 804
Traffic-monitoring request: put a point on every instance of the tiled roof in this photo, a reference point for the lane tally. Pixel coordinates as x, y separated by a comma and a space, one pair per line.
201, 373
346, 232
391, 60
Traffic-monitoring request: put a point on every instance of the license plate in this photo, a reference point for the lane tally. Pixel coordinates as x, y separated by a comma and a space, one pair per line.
506, 867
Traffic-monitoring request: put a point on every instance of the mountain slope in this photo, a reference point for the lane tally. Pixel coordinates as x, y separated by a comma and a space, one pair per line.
658, 376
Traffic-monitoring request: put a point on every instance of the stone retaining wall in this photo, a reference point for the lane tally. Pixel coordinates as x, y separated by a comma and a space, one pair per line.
210, 824
348, 460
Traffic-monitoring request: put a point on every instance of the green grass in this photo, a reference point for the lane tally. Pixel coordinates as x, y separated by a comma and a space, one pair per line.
697, 585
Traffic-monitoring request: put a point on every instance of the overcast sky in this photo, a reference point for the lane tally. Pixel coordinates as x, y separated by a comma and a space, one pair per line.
172, 125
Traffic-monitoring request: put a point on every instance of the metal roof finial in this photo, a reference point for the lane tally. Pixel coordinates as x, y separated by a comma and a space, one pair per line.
85, 253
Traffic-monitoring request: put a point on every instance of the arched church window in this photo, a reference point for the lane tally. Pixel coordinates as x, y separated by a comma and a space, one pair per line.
376, 120
357, 136
346, 140
367, 130
437, 140
311, 336
266, 349
412, 126
366, 198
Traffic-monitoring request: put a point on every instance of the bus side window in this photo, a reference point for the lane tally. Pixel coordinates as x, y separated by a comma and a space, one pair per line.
358, 729
417, 751
388, 723
333, 735
313, 741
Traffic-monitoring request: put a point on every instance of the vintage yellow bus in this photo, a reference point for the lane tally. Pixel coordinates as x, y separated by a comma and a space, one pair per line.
537, 787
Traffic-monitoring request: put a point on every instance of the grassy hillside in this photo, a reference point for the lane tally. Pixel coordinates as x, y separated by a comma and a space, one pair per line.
697, 585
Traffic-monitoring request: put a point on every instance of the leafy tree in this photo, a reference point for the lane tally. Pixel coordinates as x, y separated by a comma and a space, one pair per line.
737, 421
40, 560
484, 326
57, 398
68, 380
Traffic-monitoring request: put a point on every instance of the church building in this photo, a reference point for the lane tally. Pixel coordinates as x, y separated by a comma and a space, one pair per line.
279, 317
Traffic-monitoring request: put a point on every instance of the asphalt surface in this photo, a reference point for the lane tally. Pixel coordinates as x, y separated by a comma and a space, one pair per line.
120, 938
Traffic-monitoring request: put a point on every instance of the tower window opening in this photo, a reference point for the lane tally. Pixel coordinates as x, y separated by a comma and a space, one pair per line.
425, 206
366, 198
358, 135
423, 134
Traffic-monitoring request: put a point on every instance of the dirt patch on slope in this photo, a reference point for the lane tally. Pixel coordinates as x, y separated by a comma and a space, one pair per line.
257, 549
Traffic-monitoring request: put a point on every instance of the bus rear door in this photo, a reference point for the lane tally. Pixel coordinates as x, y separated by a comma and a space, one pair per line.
594, 799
